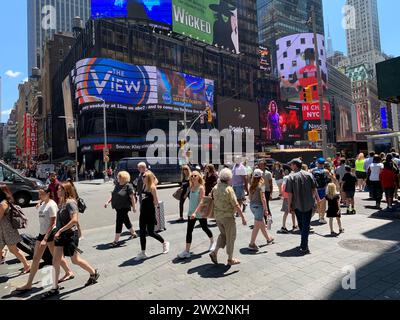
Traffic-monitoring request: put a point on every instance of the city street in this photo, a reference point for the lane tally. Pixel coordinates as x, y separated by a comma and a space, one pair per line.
369, 246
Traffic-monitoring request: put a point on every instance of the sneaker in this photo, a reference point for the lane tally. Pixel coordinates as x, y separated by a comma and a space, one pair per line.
165, 247
322, 221
253, 247
284, 230
93, 279
341, 231
184, 255
305, 252
348, 211
141, 256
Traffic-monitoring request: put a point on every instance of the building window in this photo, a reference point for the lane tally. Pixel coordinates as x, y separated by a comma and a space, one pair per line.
285, 54
303, 40
282, 66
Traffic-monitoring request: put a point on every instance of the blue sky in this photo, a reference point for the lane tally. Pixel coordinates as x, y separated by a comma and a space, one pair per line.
13, 37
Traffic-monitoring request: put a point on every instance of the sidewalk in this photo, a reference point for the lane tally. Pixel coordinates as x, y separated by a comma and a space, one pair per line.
370, 246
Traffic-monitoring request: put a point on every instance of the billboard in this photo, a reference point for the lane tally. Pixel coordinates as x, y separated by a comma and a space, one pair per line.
138, 88
212, 21
265, 59
153, 11
344, 125
69, 115
280, 121
298, 69
388, 80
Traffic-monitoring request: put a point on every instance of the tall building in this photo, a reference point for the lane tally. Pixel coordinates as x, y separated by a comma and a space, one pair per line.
365, 36
280, 18
45, 17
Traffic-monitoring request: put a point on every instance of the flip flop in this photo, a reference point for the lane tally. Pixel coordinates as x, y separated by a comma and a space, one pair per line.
49, 294
213, 258
233, 262
66, 279
22, 291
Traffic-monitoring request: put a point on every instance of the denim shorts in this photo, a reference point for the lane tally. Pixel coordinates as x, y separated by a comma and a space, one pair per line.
258, 212
322, 193
239, 192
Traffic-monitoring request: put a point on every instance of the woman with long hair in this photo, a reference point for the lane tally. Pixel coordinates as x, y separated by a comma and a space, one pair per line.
8, 235
361, 174
67, 238
278, 175
185, 179
197, 193
258, 206
210, 177
47, 209
147, 219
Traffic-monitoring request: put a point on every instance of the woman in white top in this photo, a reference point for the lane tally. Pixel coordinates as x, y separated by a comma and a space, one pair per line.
47, 209
374, 172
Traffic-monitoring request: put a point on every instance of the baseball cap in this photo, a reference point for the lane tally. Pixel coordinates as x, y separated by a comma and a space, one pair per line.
321, 160
296, 161
257, 173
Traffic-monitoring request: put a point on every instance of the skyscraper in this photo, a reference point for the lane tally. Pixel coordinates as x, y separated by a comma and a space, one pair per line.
45, 17
280, 18
365, 37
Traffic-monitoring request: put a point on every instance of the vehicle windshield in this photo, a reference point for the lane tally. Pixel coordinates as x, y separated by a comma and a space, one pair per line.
7, 174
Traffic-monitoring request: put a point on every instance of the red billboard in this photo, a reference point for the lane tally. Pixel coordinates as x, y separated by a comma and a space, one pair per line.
311, 111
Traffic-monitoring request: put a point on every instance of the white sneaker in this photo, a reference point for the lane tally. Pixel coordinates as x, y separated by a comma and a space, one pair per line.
322, 221
184, 255
165, 247
141, 256
211, 248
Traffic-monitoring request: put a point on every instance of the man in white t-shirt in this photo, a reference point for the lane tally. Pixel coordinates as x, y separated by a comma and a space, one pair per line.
239, 180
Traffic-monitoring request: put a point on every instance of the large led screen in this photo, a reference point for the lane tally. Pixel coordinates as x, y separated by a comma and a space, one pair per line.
280, 121
157, 11
212, 21
297, 69
135, 87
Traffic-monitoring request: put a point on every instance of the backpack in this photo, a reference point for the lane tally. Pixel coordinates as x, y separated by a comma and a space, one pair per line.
17, 217
321, 178
81, 205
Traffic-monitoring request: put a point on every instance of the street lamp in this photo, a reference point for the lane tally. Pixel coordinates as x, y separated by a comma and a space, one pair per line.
76, 143
105, 138
184, 105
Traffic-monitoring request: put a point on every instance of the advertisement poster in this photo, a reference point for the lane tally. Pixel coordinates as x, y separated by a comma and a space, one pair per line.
344, 131
212, 21
298, 69
69, 116
156, 11
265, 59
281, 121
33, 137
27, 134
139, 87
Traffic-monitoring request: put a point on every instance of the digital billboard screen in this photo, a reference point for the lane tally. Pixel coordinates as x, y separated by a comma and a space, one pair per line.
212, 21
135, 87
297, 67
280, 121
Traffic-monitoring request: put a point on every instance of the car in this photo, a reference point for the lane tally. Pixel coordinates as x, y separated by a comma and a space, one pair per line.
165, 173
24, 190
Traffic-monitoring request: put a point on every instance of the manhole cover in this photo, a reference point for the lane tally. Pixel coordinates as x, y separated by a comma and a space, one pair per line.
369, 246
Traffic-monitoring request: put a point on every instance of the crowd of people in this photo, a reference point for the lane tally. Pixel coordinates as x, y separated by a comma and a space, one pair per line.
321, 188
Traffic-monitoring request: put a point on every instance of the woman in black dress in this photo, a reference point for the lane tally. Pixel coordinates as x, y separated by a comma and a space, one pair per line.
333, 199
147, 219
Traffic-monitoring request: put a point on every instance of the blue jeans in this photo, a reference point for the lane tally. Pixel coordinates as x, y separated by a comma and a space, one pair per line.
304, 220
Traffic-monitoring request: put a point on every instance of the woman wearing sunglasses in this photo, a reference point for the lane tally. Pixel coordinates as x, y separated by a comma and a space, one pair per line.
47, 209
197, 193
67, 238
147, 219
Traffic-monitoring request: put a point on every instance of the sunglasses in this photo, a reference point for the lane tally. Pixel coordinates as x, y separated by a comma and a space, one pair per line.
144, 177
194, 176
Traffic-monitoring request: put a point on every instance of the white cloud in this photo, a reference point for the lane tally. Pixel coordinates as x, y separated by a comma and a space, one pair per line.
25, 80
13, 74
6, 112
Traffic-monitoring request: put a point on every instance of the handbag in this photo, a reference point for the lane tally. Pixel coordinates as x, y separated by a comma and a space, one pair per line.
178, 193
81, 205
207, 207
17, 218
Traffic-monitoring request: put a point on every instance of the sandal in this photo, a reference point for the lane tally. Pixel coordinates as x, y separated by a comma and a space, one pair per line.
71, 277
114, 244
133, 236
93, 279
272, 241
233, 262
213, 257
22, 291
51, 293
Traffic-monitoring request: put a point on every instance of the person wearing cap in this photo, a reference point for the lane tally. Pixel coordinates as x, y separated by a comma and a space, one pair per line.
302, 190
258, 207
322, 179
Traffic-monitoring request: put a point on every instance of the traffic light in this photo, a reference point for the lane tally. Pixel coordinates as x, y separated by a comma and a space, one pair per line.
106, 155
308, 94
209, 115
182, 143
313, 136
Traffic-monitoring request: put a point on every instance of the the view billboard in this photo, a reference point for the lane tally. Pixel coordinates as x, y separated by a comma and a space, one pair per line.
280, 121
212, 21
139, 88
298, 70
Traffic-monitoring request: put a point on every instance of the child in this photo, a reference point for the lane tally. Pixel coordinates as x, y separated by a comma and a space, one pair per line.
349, 188
285, 208
333, 200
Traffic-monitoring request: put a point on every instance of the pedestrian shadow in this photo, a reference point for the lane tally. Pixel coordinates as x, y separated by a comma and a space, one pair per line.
385, 215
372, 208
177, 221
248, 252
107, 246
213, 225
57, 297
22, 295
133, 262
212, 271
291, 253
178, 260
